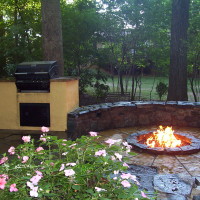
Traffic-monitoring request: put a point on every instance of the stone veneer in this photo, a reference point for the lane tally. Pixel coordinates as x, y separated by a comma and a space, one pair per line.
129, 114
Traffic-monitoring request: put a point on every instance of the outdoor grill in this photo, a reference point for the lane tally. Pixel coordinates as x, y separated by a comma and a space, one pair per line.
35, 76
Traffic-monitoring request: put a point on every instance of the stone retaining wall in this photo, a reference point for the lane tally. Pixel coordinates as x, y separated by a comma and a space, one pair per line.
129, 114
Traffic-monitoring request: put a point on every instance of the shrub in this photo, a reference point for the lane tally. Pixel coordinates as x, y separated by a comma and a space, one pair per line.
161, 89
64, 169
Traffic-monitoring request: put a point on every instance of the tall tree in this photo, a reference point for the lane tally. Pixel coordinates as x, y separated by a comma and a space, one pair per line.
2, 52
52, 33
178, 51
82, 19
20, 33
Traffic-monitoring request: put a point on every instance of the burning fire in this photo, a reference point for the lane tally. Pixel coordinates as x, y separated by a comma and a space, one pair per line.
163, 138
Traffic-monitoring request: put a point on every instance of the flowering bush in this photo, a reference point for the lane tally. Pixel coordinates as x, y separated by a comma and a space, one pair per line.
64, 169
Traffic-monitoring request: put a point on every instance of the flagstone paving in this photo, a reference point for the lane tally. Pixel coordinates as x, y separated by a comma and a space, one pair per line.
166, 164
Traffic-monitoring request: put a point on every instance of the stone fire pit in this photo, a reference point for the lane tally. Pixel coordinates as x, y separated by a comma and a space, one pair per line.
190, 144
117, 120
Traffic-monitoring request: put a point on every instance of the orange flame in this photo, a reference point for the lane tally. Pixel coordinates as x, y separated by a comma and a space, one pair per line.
163, 138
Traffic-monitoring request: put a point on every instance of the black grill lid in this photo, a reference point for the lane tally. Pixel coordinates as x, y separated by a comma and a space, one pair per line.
38, 67
35, 75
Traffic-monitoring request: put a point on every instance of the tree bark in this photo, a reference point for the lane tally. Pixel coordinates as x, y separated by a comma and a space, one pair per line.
178, 51
52, 33
2, 53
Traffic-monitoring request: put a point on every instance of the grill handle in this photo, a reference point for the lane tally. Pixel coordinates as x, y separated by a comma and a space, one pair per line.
23, 73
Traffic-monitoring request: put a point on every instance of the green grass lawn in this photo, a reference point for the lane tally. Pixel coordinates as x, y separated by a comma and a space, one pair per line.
148, 87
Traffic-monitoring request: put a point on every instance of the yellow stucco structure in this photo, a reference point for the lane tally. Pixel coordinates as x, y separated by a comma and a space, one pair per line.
63, 98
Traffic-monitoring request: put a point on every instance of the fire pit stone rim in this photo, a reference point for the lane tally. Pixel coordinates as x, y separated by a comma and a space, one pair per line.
187, 149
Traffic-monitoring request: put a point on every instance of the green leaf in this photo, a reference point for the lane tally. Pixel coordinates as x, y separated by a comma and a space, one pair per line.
132, 153
90, 191
50, 194
76, 187
25, 178
123, 196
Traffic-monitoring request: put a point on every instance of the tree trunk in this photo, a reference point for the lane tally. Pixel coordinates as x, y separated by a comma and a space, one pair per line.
121, 82
52, 33
2, 53
178, 51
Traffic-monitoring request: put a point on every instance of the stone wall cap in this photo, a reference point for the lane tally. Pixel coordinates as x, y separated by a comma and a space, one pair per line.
185, 103
64, 79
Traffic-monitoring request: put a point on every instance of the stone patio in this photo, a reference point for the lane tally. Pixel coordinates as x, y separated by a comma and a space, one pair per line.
183, 165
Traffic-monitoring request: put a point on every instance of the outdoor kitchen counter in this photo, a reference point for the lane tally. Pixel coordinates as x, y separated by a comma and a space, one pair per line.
59, 79
61, 98
10, 79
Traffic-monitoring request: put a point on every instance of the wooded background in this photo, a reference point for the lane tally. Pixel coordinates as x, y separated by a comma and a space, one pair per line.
124, 38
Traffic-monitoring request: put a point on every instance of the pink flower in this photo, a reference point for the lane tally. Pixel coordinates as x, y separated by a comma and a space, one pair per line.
62, 167
101, 153
2, 183
128, 150
125, 176
143, 194
25, 159
44, 129
133, 177
93, 134
99, 189
64, 143
128, 147
69, 172
39, 149
39, 173
29, 184
3, 160
128, 175
125, 183
52, 164
71, 164
26, 138
4, 176
125, 143
113, 158
125, 165
42, 138
35, 179
72, 145
13, 188
33, 192
111, 141
11, 150
119, 156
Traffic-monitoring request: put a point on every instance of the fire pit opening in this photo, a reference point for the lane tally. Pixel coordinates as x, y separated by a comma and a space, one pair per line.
164, 141
163, 137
